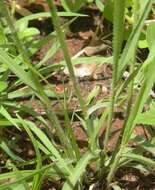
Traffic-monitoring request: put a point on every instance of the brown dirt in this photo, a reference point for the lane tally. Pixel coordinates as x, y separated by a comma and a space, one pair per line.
132, 179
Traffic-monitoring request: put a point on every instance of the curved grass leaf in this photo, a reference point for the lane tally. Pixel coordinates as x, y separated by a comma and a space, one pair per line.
77, 171
46, 14
48, 144
141, 159
134, 36
147, 118
75, 61
36, 179
150, 34
14, 67
9, 152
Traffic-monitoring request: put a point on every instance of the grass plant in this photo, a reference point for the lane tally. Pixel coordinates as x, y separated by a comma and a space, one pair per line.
57, 142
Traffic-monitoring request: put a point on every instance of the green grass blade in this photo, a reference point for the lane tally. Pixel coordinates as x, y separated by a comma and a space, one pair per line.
46, 14
141, 99
47, 143
67, 58
119, 17
36, 178
50, 53
5, 113
8, 151
142, 159
147, 118
77, 171
15, 68
134, 36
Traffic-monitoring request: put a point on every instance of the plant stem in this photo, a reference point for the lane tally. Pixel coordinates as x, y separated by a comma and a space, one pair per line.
130, 114
62, 40
114, 166
132, 65
131, 68
117, 45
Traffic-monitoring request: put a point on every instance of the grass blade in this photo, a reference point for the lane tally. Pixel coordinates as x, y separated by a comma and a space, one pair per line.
134, 36
77, 171
117, 45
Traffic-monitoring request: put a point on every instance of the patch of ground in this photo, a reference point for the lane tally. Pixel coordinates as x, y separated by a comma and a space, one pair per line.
80, 34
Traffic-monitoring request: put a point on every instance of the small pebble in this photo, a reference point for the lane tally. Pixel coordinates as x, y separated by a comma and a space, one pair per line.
104, 89
126, 74
59, 89
31, 153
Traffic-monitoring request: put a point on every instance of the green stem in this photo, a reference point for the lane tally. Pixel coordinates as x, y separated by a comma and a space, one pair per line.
117, 155
62, 40
129, 122
117, 45
132, 67
114, 166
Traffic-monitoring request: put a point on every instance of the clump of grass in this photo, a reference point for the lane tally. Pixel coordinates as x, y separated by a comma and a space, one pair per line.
66, 161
